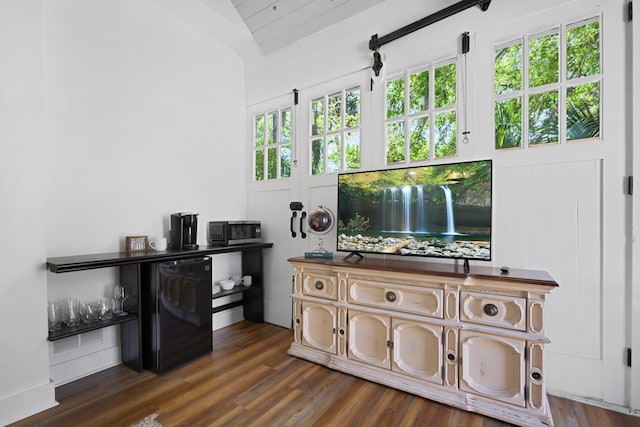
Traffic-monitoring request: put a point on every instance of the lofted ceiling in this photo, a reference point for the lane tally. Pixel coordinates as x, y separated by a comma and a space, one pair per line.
275, 24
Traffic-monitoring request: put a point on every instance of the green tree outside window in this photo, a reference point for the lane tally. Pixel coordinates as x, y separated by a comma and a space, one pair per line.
272, 145
540, 112
335, 133
419, 117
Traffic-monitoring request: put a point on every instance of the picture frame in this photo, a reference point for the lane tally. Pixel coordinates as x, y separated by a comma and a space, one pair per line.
134, 244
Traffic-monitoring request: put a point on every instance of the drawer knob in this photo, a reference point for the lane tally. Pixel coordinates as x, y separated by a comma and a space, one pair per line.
341, 331
490, 309
319, 285
536, 376
451, 357
297, 321
390, 296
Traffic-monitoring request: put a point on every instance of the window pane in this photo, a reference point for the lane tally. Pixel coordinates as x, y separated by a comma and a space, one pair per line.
272, 128
285, 125
259, 131
272, 159
445, 85
352, 150
352, 113
508, 117
419, 139
508, 69
583, 111
446, 133
395, 142
317, 156
258, 165
317, 117
285, 161
543, 60
543, 118
583, 50
395, 98
333, 154
334, 112
418, 92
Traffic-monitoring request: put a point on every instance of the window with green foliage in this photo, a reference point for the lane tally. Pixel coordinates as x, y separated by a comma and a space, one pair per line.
421, 114
335, 132
534, 101
272, 134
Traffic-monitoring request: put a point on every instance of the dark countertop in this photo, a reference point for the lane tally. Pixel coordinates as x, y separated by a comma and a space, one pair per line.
114, 259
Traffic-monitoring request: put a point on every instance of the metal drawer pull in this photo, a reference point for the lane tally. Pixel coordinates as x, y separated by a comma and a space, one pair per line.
451, 357
490, 309
390, 296
319, 285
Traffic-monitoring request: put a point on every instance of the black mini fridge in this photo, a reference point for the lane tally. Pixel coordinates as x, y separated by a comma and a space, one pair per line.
176, 312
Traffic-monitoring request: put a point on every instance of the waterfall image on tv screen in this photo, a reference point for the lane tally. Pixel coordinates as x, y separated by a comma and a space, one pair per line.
433, 211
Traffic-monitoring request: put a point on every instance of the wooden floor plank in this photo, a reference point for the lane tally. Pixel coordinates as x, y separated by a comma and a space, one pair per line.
249, 380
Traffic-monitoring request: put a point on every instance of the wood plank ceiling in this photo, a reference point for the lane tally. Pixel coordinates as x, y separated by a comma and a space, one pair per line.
275, 24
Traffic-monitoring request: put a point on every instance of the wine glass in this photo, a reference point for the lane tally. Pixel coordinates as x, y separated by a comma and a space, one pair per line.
119, 294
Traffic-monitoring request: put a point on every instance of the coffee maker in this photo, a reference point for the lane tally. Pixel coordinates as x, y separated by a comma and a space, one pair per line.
184, 230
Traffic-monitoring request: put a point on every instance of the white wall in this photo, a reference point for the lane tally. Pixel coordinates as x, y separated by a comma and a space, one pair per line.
113, 115
24, 372
560, 209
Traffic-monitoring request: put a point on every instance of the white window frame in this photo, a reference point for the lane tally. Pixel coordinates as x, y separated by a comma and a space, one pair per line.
561, 86
341, 132
431, 111
279, 144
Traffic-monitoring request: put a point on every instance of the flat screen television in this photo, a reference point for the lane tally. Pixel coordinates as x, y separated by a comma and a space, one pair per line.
440, 211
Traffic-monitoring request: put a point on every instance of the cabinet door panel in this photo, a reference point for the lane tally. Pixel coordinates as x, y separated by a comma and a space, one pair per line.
369, 338
417, 350
493, 366
319, 326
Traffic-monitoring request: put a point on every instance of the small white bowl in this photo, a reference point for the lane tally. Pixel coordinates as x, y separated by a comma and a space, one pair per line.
227, 285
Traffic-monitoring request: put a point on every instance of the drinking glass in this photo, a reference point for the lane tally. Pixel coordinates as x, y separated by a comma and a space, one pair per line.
54, 313
89, 312
73, 312
119, 294
106, 308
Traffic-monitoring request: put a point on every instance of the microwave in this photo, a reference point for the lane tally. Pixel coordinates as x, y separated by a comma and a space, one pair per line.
228, 233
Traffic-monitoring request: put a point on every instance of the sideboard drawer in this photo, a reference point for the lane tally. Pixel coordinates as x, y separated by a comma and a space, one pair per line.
411, 299
493, 310
320, 285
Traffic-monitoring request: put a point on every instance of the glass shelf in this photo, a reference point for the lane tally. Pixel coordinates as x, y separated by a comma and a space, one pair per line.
66, 331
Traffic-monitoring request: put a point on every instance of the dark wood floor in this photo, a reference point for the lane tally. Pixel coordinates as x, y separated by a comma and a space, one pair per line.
249, 380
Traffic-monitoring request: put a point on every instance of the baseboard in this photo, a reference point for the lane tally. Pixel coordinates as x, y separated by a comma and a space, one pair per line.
71, 370
593, 402
226, 318
22, 405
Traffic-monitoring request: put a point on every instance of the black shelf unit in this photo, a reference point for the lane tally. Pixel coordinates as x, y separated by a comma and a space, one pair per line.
131, 275
247, 290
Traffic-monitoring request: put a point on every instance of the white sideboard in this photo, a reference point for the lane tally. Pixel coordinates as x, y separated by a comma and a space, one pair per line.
473, 340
